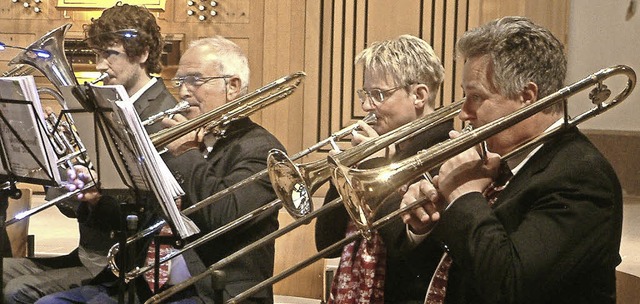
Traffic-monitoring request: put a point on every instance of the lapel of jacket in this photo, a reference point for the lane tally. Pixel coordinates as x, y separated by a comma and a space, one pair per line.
147, 97
535, 165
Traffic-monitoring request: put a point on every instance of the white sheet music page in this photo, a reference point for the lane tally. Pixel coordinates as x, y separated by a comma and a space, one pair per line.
22, 109
156, 173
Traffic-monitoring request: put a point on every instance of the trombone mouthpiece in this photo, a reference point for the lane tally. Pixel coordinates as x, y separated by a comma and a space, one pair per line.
370, 119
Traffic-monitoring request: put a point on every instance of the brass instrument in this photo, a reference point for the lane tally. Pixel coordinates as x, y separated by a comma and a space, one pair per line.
294, 183
180, 107
55, 67
416, 166
53, 64
215, 197
216, 120
316, 173
363, 191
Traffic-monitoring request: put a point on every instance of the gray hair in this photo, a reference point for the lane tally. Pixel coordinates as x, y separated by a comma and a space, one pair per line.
231, 60
521, 52
407, 59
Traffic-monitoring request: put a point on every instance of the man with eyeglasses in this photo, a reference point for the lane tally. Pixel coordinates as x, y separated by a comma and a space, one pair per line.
402, 77
128, 44
212, 72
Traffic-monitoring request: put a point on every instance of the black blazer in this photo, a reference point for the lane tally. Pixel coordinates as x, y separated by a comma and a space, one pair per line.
552, 236
241, 153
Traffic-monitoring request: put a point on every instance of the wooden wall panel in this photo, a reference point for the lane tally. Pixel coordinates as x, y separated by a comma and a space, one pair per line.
346, 27
551, 14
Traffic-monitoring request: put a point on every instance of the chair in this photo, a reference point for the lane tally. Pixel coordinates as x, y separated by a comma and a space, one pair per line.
18, 232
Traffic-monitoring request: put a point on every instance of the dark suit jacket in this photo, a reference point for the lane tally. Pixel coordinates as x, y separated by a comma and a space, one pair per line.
235, 157
408, 272
552, 236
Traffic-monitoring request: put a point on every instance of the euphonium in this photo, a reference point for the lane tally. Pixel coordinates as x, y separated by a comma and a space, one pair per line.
58, 71
56, 67
363, 191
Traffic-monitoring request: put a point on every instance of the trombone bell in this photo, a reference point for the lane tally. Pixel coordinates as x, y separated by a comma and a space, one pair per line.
291, 188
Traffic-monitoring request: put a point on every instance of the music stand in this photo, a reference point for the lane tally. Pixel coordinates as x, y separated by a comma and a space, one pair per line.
121, 133
26, 154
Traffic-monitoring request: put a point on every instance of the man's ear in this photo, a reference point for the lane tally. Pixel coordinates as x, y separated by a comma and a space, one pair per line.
143, 58
530, 93
234, 86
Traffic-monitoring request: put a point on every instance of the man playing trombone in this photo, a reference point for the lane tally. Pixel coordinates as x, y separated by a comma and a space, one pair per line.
212, 72
128, 61
552, 234
402, 77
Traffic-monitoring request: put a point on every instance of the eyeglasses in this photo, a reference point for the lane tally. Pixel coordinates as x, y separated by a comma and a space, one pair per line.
195, 81
376, 95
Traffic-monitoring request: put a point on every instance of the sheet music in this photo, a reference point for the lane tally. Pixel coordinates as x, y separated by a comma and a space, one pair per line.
153, 171
29, 127
117, 140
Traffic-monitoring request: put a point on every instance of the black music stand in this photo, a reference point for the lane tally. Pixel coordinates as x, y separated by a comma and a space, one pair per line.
125, 154
25, 152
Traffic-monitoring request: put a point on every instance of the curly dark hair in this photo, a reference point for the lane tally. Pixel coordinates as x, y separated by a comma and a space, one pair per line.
101, 33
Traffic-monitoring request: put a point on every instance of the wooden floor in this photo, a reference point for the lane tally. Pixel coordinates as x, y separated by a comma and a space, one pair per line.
56, 234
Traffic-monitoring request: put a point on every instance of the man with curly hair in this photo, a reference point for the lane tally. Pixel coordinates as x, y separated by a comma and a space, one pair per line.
127, 42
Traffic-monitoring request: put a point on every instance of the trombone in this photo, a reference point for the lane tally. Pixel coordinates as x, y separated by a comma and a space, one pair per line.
217, 196
291, 181
363, 191
388, 178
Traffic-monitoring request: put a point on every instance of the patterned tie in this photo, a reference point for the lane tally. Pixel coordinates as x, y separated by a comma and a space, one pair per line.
438, 285
360, 276
163, 277
165, 249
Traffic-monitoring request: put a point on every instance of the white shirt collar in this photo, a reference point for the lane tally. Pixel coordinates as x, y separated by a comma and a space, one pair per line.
137, 95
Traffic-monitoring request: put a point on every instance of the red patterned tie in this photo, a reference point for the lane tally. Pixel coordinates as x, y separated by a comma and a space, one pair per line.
360, 275
438, 285
151, 259
165, 249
